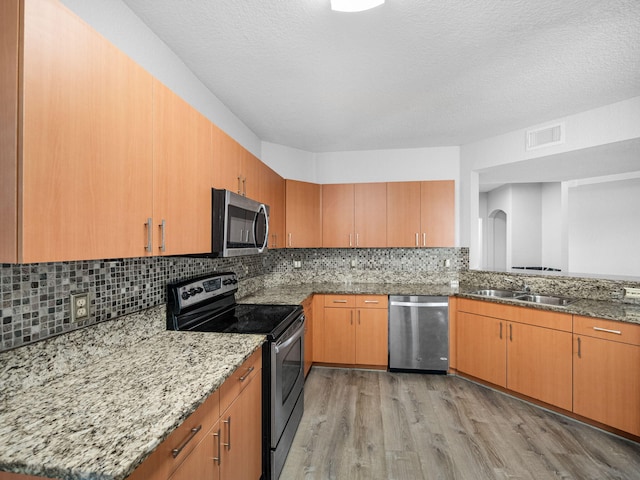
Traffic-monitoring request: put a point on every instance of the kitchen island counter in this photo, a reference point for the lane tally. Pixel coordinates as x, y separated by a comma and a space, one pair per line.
100, 421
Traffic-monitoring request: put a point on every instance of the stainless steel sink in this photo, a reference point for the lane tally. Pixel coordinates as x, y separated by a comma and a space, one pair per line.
546, 300
496, 293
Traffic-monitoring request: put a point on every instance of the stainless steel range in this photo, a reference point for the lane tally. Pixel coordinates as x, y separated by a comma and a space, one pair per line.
207, 304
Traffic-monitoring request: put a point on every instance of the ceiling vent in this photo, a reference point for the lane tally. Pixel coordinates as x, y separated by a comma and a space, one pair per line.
545, 136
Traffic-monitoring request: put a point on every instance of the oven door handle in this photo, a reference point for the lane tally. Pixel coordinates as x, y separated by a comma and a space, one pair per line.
293, 338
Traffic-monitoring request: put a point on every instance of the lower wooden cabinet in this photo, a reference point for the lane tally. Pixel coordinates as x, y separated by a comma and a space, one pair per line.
211, 445
524, 350
606, 372
355, 330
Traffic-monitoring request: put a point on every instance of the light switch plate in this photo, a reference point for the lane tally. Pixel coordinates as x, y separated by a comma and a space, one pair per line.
632, 293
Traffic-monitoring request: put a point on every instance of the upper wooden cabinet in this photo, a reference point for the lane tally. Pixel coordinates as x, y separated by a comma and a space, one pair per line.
354, 215
437, 213
182, 175
272, 193
80, 184
421, 214
235, 168
304, 214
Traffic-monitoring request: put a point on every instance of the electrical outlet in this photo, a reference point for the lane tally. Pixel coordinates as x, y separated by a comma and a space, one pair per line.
632, 293
297, 264
79, 306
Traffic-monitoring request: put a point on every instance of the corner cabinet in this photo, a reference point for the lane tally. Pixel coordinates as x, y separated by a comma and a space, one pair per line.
303, 214
606, 372
80, 186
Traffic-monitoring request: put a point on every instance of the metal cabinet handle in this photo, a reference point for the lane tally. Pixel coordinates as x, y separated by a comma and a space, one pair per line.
357, 239
351, 317
417, 244
149, 224
350, 242
228, 423
289, 239
194, 431
511, 332
217, 458
500, 330
163, 226
239, 186
339, 301
424, 239
244, 186
579, 348
371, 301
605, 330
358, 317
249, 370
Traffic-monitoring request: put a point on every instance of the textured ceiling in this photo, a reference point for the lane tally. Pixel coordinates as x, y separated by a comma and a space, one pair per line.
410, 73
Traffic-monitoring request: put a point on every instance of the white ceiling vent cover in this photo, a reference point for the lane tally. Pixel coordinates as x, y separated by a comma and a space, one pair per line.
545, 136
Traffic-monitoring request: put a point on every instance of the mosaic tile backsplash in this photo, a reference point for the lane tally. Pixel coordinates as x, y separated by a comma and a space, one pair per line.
35, 297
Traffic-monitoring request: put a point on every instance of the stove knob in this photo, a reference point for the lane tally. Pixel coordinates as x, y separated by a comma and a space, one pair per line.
192, 291
199, 290
234, 281
185, 295
228, 281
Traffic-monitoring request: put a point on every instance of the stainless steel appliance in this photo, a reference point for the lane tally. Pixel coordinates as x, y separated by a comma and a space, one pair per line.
239, 225
207, 304
419, 333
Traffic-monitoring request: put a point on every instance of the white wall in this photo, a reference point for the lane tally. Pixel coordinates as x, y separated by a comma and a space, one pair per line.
289, 162
604, 227
115, 21
611, 123
526, 229
551, 225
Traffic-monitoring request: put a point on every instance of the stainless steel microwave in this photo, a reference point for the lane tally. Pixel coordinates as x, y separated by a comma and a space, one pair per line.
239, 225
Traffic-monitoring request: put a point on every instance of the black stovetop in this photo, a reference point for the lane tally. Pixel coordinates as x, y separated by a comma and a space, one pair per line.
250, 318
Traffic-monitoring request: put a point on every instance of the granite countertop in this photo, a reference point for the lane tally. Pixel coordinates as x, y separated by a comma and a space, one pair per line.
295, 294
103, 419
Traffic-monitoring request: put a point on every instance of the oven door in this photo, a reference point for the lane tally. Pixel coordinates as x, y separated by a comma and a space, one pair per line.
287, 376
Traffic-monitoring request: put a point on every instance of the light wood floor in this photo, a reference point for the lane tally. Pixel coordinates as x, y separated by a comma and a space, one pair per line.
378, 425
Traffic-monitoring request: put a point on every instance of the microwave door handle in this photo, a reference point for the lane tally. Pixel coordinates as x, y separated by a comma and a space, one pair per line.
262, 208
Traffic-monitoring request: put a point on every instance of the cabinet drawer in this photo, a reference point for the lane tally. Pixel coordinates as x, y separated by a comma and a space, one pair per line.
372, 301
530, 316
239, 379
340, 301
162, 462
607, 329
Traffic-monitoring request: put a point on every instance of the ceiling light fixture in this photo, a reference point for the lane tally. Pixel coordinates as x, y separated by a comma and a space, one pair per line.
354, 5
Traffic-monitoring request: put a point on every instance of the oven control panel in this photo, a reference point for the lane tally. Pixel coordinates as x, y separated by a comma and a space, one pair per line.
203, 289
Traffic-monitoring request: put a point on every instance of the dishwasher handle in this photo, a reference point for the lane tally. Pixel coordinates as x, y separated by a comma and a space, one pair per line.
415, 304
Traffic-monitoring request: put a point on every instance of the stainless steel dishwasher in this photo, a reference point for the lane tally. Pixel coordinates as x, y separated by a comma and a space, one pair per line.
419, 333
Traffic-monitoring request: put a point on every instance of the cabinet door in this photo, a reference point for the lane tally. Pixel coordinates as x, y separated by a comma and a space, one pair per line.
403, 214
482, 347
307, 305
272, 188
339, 330
304, 214
200, 463
183, 175
372, 337
227, 161
86, 138
250, 173
437, 213
337, 215
241, 434
370, 214
318, 328
539, 363
606, 382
